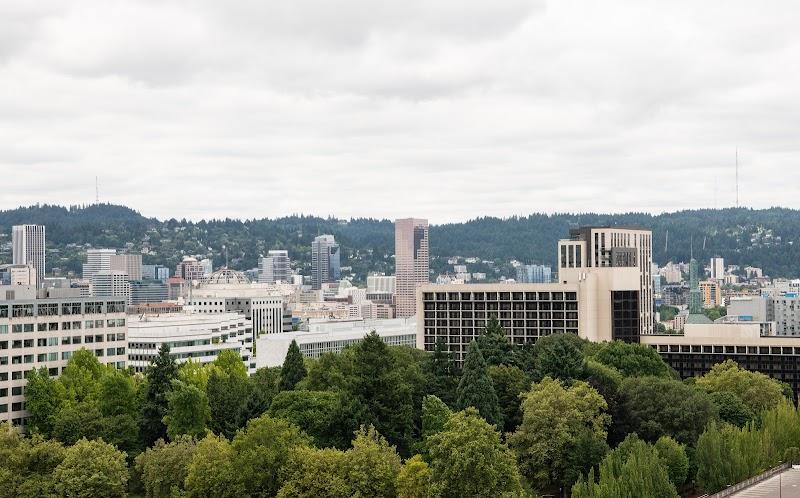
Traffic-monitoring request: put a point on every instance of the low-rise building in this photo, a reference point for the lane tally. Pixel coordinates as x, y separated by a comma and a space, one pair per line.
331, 336
195, 336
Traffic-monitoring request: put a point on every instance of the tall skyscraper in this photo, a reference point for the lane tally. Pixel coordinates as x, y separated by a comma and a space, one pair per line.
97, 260
325, 261
717, 268
412, 263
275, 267
28, 248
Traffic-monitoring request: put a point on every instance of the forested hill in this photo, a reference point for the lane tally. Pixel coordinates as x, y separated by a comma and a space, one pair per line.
769, 238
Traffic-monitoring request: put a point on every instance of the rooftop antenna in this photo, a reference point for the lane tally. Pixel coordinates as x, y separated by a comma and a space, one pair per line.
737, 177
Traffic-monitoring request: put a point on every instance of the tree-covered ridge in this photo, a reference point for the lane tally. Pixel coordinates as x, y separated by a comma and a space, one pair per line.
768, 238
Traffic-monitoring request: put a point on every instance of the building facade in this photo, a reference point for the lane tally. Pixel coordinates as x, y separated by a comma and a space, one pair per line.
108, 284
128, 263
275, 267
148, 291
97, 260
412, 263
45, 333
325, 261
199, 337
534, 274
28, 248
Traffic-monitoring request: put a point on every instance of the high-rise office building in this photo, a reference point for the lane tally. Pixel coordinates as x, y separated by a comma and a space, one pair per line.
128, 263
717, 268
325, 261
190, 269
111, 284
148, 291
97, 260
412, 264
28, 248
275, 267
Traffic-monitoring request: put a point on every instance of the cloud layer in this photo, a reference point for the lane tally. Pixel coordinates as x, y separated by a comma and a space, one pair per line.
439, 108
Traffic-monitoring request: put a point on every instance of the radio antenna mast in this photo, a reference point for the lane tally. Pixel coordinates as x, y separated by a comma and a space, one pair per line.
96, 190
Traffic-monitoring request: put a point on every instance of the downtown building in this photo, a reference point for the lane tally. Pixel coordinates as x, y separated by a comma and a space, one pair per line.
275, 267
190, 336
325, 261
412, 263
45, 333
28, 248
603, 294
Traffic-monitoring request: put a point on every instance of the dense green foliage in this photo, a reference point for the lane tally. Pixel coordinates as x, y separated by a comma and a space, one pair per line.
293, 370
767, 238
345, 426
634, 469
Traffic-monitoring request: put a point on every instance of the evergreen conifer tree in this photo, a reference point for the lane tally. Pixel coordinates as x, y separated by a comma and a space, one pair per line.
159, 383
294, 370
476, 389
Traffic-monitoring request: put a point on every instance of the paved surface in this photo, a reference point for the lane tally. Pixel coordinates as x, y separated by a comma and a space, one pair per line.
784, 485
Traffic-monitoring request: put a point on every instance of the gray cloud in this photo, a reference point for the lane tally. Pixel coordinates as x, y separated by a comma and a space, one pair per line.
446, 109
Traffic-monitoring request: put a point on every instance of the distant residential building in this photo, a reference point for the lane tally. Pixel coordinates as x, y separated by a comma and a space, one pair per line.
534, 274
128, 263
753, 272
459, 268
478, 276
97, 260
28, 248
381, 284
717, 268
190, 269
111, 284
275, 267
148, 291
711, 293
412, 264
325, 261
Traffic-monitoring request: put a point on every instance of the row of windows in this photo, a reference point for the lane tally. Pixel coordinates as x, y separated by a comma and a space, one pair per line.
55, 341
55, 309
727, 349
55, 326
501, 296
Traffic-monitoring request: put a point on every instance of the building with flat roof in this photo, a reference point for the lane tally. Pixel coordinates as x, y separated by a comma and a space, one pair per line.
111, 284
128, 263
28, 248
195, 336
325, 261
332, 336
45, 333
148, 291
97, 260
411, 261
275, 267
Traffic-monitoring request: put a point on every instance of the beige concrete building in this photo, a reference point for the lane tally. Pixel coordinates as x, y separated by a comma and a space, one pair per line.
45, 333
128, 263
412, 263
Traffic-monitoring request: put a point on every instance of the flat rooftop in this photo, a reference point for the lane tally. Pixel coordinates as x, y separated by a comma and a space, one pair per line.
786, 485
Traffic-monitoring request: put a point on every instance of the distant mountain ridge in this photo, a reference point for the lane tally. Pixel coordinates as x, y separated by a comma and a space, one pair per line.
768, 238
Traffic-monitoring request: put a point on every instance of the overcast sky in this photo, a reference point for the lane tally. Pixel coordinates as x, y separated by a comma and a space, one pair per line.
446, 109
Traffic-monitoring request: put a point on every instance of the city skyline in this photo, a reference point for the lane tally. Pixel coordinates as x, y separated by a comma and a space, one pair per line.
538, 107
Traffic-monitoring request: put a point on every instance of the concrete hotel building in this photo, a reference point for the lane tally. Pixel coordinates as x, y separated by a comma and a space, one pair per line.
602, 302
28, 248
412, 264
36, 333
